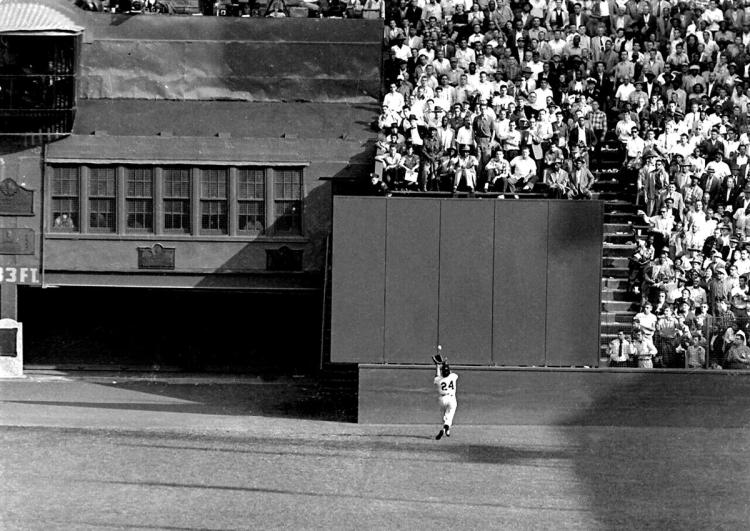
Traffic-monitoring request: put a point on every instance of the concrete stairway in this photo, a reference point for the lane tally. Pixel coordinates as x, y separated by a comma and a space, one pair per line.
621, 224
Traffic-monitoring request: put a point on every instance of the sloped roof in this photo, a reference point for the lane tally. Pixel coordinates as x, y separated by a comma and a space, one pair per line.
332, 121
29, 16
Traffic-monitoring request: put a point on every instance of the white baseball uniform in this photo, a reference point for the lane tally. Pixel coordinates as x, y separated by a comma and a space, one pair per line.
447, 396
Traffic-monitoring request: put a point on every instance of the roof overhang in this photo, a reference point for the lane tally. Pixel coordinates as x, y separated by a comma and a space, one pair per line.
19, 17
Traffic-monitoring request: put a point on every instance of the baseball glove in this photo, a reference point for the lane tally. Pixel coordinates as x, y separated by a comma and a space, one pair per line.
437, 359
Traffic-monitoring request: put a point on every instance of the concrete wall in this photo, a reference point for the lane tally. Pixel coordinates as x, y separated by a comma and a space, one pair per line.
626, 397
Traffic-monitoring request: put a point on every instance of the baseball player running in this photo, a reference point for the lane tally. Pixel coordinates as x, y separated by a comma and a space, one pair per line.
445, 380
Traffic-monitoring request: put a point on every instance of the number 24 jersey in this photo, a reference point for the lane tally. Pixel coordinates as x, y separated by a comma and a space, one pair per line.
446, 386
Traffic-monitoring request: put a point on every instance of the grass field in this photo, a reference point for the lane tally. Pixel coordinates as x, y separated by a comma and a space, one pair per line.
80, 455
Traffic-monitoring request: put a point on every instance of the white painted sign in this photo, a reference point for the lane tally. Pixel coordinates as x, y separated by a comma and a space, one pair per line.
19, 275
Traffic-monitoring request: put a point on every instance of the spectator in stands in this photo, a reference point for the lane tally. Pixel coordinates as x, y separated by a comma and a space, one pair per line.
557, 181
391, 166
497, 170
669, 332
695, 353
375, 186
465, 170
410, 163
658, 275
580, 181
524, 173
643, 350
620, 350
645, 321
738, 355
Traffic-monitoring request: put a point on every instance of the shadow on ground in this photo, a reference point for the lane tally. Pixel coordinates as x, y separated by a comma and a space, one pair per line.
674, 446
310, 399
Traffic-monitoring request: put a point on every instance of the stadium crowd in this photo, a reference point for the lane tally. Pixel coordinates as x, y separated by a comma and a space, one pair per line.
519, 97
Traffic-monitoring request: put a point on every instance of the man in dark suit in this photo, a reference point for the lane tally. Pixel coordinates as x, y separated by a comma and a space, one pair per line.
580, 133
650, 87
646, 23
603, 82
713, 184
712, 91
578, 18
728, 194
713, 145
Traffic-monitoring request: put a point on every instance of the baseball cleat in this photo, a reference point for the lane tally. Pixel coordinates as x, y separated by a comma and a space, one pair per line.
447, 430
439, 435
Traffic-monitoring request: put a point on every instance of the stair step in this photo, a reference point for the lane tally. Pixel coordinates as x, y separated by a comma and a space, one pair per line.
619, 306
615, 283
622, 205
619, 237
613, 327
612, 250
615, 261
616, 294
617, 227
622, 217
616, 272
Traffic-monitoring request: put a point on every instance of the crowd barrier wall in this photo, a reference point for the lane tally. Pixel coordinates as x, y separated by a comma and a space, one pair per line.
558, 396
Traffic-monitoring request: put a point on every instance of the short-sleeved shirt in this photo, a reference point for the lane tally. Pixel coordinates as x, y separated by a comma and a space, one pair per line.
446, 386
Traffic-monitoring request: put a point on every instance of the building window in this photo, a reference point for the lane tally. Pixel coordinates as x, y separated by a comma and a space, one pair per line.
251, 203
288, 201
214, 200
139, 200
65, 186
102, 199
126, 199
176, 199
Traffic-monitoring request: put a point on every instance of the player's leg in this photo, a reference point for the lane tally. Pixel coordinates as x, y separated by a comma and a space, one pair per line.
443, 408
448, 412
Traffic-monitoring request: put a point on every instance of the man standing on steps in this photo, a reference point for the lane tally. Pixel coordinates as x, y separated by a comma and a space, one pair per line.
598, 123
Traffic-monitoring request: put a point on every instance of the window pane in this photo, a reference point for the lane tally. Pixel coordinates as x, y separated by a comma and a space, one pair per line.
65, 180
177, 215
251, 216
65, 214
102, 182
65, 208
176, 182
288, 217
287, 184
214, 216
140, 214
102, 215
177, 199
140, 182
251, 184
213, 183
287, 201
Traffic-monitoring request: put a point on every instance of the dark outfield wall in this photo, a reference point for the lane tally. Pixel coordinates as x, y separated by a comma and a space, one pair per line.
493, 282
514, 396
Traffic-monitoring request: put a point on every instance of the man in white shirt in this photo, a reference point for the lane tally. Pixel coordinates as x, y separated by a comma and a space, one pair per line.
524, 172
394, 100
